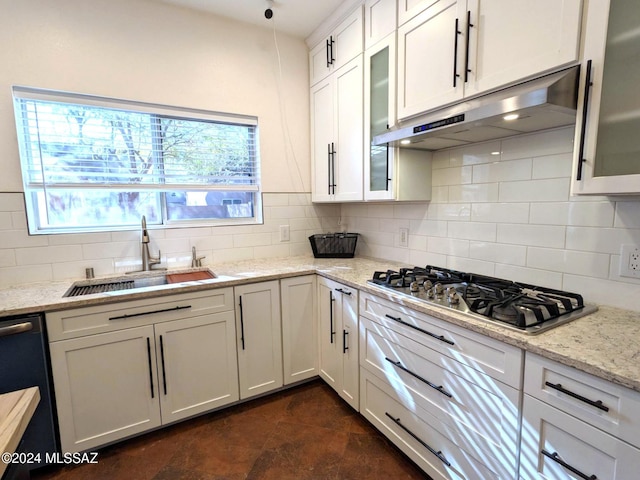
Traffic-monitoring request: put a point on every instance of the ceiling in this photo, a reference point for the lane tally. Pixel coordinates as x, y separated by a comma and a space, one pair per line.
294, 17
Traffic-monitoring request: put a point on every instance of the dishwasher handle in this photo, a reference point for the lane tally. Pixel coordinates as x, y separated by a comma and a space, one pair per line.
15, 329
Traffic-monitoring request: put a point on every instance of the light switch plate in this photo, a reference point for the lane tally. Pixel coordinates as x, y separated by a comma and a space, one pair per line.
284, 233
404, 237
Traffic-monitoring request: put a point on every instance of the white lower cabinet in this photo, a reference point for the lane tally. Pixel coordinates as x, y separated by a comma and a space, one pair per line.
299, 328
447, 397
136, 377
338, 338
259, 339
576, 425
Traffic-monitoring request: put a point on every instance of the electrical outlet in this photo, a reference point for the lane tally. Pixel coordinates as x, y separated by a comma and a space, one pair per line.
284, 233
630, 261
404, 237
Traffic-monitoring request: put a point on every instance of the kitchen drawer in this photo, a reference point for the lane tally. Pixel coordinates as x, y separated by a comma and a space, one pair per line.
480, 409
498, 360
621, 419
79, 322
578, 445
420, 436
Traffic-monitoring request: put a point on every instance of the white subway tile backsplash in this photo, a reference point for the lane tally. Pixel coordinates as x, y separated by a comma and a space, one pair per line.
605, 292
551, 142
51, 254
20, 238
534, 235
569, 261
549, 213
421, 258
481, 192
471, 265
12, 202
6, 221
448, 246
432, 228
251, 240
439, 194
544, 278
601, 240
273, 199
498, 252
473, 231
19, 220
500, 212
7, 258
502, 171
12, 276
553, 166
417, 242
475, 154
550, 190
411, 211
451, 211
627, 215
451, 176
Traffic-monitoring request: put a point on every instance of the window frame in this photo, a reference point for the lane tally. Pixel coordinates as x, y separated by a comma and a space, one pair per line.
31, 189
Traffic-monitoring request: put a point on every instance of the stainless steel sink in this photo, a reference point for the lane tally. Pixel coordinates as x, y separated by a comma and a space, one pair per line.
87, 287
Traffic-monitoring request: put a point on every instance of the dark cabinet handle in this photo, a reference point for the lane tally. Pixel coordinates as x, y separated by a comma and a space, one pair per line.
593, 403
556, 458
331, 300
329, 167
585, 108
331, 42
466, 58
333, 168
342, 291
344, 341
387, 167
241, 322
456, 32
439, 388
438, 453
149, 313
164, 375
150, 370
327, 47
437, 337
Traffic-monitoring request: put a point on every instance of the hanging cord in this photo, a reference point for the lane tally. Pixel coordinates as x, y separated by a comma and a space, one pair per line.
292, 161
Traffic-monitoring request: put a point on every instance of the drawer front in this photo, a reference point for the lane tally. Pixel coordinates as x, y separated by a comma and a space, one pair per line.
420, 436
478, 408
498, 360
79, 322
603, 404
558, 446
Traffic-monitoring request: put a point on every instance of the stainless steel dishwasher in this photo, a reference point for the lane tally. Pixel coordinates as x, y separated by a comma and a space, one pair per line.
24, 362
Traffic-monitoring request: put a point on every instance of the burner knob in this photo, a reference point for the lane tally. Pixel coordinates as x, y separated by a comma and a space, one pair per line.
430, 293
438, 289
452, 296
414, 286
427, 284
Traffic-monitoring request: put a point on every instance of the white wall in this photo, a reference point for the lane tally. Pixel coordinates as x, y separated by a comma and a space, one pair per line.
511, 216
152, 52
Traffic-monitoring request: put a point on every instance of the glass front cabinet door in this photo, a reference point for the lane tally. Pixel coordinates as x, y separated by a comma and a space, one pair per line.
607, 141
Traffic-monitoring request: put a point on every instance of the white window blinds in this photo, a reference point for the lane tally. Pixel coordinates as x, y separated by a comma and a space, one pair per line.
72, 146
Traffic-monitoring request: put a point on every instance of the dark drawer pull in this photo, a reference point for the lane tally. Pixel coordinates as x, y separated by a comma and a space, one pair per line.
342, 291
432, 450
593, 403
149, 313
344, 341
556, 458
150, 366
439, 388
437, 337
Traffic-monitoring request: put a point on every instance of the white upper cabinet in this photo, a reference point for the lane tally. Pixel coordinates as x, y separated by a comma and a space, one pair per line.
389, 173
459, 48
407, 9
379, 20
337, 135
343, 44
607, 145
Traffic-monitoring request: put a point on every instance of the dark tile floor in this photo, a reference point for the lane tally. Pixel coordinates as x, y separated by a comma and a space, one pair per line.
307, 432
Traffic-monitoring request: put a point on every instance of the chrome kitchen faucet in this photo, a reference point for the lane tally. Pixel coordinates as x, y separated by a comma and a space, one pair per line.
147, 260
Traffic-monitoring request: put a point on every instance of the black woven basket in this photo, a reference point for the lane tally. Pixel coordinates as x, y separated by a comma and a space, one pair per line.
334, 245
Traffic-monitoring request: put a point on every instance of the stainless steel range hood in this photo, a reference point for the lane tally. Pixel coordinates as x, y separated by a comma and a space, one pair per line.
543, 103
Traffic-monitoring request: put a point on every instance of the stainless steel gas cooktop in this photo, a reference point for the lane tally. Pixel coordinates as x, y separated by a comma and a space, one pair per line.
527, 308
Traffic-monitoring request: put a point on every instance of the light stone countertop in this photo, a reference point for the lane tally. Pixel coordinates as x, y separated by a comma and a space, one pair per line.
605, 343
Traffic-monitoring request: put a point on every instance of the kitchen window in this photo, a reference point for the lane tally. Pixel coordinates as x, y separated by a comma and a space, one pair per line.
93, 164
